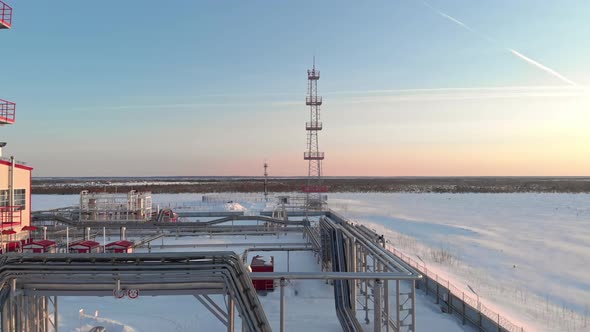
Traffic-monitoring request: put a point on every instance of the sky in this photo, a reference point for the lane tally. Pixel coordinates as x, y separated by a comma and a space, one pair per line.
410, 88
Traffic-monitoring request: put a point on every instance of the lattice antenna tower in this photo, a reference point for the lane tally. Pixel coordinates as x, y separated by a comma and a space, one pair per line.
7, 108
314, 187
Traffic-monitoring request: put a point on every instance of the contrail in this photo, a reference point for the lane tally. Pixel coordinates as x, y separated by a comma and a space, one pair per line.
510, 50
542, 67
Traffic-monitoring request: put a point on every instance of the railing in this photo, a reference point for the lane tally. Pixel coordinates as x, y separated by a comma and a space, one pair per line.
316, 125
5, 15
313, 101
492, 317
15, 161
313, 74
10, 215
7, 110
313, 155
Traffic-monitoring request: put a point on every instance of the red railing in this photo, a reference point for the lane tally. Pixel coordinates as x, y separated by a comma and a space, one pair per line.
5, 16
7, 111
10, 216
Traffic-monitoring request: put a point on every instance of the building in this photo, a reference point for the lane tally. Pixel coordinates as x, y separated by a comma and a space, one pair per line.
84, 247
40, 246
119, 247
15, 202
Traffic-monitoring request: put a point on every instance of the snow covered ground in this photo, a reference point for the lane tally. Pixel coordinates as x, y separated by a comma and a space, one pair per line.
310, 303
526, 255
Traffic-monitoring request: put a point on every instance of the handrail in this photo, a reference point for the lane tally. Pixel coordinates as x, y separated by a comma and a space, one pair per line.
5, 14
7, 108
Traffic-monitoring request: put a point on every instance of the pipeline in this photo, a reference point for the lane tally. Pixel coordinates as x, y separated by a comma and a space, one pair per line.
55, 273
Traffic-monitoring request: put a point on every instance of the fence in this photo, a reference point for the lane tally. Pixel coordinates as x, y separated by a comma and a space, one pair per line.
456, 301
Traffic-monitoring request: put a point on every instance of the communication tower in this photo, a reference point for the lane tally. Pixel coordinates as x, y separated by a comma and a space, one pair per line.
7, 108
314, 187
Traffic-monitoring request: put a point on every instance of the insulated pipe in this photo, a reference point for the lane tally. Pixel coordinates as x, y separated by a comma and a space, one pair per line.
377, 303
283, 282
230, 314
239, 284
377, 251
11, 184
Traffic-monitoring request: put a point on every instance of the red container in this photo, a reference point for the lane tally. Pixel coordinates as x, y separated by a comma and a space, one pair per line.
262, 264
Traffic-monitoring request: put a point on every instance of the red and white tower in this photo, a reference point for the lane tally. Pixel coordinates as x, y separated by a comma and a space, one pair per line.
314, 187
7, 108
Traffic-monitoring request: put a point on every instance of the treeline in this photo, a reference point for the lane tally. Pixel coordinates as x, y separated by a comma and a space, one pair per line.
406, 185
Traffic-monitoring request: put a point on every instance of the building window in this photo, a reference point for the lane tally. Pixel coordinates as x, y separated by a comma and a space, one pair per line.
4, 198
20, 198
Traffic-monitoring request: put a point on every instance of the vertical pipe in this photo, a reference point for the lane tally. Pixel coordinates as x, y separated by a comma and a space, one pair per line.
55, 323
67, 239
104, 239
14, 311
366, 287
26, 312
413, 305
282, 305
44, 232
288, 256
397, 308
11, 184
386, 303
354, 268
230, 314
45, 314
377, 305
6, 317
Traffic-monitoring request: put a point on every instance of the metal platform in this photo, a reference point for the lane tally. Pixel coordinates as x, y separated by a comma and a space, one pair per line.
5, 16
7, 108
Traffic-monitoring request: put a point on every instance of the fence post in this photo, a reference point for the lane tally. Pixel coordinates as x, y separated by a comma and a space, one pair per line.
437, 296
479, 317
463, 308
499, 328
426, 281
449, 298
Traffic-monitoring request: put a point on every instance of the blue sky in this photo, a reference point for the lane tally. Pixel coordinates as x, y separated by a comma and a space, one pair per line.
217, 87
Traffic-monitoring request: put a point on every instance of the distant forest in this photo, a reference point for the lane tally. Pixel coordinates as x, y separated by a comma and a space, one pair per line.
346, 184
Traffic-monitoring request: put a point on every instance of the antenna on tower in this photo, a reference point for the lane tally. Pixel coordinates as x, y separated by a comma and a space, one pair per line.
265, 182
